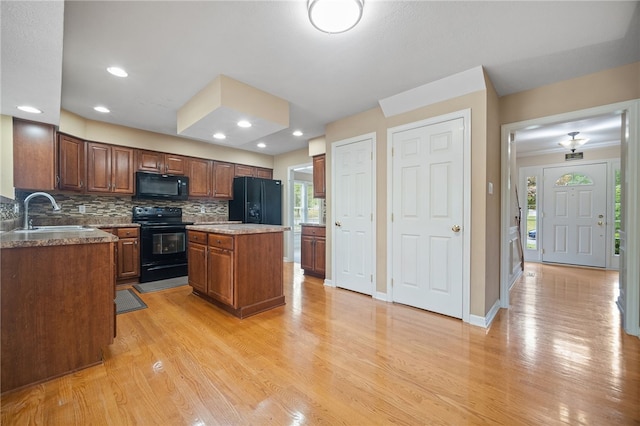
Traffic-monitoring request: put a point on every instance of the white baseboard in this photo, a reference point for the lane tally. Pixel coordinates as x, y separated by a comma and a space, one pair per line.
381, 296
328, 283
485, 321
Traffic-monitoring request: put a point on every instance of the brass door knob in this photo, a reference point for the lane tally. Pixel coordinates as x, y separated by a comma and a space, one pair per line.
338, 223
600, 222
455, 228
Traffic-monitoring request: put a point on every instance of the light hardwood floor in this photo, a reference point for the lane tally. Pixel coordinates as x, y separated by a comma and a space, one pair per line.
330, 356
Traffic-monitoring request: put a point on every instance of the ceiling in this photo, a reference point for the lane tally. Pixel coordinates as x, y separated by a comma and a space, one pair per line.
54, 55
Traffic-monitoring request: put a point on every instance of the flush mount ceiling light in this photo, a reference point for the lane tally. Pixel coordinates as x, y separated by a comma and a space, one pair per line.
244, 123
335, 16
219, 136
101, 109
573, 143
27, 108
117, 71
262, 145
297, 133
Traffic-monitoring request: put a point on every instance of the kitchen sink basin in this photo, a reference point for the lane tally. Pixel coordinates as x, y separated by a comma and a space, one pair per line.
58, 228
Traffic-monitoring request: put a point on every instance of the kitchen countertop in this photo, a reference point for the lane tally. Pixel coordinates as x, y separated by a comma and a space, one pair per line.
317, 225
238, 228
13, 239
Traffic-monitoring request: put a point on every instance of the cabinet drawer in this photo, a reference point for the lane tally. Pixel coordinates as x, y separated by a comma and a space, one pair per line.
314, 230
127, 232
221, 241
197, 237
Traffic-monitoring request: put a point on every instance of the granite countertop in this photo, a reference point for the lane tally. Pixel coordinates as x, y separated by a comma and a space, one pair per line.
238, 228
317, 225
13, 239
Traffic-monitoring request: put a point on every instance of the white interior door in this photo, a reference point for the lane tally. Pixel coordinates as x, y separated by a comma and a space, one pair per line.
427, 235
353, 215
575, 215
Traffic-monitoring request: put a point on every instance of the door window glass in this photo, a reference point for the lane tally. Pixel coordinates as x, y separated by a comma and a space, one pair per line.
574, 179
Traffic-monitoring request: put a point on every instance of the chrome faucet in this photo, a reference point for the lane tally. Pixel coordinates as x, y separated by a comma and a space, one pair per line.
28, 225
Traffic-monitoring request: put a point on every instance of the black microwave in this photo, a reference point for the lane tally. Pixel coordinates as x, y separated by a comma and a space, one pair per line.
159, 186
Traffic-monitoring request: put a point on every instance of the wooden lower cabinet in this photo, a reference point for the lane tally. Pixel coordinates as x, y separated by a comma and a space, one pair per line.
128, 248
57, 312
241, 274
127, 253
313, 245
197, 265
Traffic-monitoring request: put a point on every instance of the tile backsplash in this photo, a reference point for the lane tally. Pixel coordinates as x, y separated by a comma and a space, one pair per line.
101, 209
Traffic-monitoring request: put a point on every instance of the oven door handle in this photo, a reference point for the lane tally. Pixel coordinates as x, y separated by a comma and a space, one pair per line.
179, 228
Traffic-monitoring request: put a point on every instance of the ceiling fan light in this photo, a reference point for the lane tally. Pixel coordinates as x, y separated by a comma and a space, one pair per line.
335, 16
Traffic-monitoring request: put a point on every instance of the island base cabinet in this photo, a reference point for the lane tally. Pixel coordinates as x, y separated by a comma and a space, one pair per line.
244, 272
58, 310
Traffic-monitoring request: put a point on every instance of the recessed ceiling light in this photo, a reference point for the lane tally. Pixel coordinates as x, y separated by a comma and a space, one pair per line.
117, 71
244, 123
262, 145
101, 109
297, 133
219, 136
27, 108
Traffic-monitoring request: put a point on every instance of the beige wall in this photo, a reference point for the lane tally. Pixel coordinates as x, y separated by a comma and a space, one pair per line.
6, 156
493, 175
97, 131
601, 88
374, 121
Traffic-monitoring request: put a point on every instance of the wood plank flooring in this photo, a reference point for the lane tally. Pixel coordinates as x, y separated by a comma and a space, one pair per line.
330, 356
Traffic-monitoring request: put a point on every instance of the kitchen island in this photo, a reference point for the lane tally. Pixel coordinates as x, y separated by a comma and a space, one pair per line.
237, 267
57, 291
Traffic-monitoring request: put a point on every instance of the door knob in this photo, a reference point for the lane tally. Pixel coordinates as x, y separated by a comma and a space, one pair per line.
338, 223
455, 228
600, 222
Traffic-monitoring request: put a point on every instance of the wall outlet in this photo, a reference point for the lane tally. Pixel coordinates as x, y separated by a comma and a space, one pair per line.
16, 208
82, 208
202, 210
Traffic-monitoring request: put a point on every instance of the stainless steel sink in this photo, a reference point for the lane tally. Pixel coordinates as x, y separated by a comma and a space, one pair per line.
57, 228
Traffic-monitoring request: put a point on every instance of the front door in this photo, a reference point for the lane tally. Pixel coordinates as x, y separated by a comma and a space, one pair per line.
427, 253
575, 215
353, 224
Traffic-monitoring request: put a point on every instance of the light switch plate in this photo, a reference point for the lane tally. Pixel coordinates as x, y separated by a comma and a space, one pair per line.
82, 208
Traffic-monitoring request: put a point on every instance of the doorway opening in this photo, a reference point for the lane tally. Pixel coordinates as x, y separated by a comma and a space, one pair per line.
621, 211
305, 208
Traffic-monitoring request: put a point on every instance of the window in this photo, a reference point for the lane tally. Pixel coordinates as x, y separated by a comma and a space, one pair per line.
574, 179
617, 210
531, 214
306, 209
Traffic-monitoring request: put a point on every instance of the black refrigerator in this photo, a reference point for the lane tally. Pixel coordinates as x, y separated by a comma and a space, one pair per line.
256, 200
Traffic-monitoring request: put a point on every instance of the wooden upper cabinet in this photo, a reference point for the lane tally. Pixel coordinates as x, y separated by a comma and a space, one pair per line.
109, 168
264, 173
122, 176
242, 170
319, 181
175, 164
223, 174
34, 155
71, 163
159, 162
149, 161
200, 179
